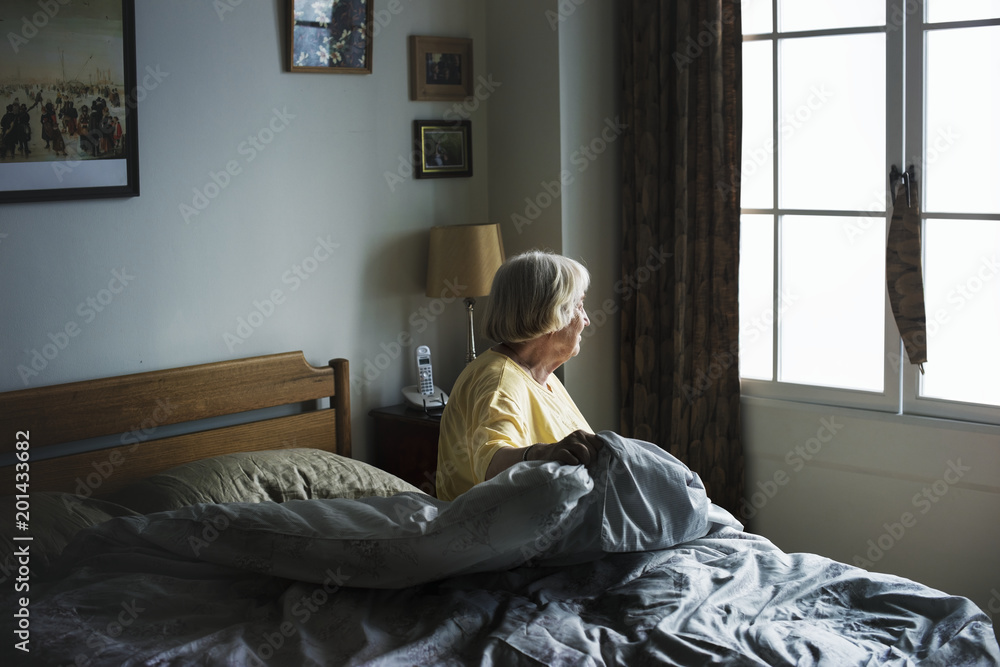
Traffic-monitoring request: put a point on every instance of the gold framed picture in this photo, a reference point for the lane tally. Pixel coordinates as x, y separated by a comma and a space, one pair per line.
440, 68
443, 148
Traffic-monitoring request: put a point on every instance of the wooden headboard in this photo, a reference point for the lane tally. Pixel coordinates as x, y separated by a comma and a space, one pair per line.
134, 407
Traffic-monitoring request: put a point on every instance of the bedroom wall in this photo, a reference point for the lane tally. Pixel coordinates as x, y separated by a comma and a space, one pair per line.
554, 162
328, 191
590, 168
910, 496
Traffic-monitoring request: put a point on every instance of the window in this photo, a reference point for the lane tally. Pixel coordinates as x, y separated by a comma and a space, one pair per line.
835, 94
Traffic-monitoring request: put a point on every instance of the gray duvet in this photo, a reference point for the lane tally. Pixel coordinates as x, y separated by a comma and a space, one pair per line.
628, 563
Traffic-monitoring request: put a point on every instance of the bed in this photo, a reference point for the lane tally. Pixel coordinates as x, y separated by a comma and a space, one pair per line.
213, 515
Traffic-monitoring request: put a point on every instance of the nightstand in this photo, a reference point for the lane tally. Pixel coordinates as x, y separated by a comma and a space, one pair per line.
406, 444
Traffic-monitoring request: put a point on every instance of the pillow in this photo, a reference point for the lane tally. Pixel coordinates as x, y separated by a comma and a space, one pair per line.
379, 542
54, 518
253, 477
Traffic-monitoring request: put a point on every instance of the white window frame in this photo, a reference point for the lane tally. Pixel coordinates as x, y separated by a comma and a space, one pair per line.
904, 63
915, 30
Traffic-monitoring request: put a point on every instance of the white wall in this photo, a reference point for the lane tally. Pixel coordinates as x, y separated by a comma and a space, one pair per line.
323, 176
910, 496
523, 54
554, 162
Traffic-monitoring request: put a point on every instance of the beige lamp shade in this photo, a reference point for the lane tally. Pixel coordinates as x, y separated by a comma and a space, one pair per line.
462, 260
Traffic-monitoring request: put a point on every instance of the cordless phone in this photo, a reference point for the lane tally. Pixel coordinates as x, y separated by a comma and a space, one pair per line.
425, 374
425, 395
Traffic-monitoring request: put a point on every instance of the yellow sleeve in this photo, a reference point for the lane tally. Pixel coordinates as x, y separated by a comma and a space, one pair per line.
499, 425
495, 404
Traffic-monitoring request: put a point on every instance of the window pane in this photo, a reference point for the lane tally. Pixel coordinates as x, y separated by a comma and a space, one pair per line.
832, 122
962, 297
756, 16
756, 302
794, 15
961, 141
757, 168
833, 333
939, 11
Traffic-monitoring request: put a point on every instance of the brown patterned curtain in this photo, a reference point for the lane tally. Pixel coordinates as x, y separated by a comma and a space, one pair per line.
681, 211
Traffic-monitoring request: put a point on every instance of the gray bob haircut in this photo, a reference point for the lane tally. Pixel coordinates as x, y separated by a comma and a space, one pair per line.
533, 294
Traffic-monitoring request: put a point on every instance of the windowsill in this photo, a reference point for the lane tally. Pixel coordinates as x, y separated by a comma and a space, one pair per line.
875, 415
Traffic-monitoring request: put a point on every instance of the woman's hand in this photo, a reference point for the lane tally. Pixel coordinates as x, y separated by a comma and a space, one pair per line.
577, 448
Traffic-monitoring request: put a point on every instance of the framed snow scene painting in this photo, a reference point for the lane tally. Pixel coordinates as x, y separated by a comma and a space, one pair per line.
68, 101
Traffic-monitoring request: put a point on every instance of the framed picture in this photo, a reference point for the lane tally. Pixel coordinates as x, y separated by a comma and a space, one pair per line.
330, 36
443, 148
68, 99
440, 68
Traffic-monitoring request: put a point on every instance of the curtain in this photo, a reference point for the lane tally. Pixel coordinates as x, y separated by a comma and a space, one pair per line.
682, 104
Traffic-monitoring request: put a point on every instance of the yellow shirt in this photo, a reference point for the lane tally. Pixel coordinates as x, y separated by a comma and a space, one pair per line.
495, 404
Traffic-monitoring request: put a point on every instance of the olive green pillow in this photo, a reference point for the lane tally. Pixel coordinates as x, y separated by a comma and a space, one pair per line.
270, 475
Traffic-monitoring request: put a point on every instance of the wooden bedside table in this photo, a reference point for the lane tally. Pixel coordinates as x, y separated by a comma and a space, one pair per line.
406, 444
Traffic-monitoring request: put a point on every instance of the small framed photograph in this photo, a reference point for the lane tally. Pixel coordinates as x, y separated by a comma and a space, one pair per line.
68, 98
330, 36
440, 68
443, 148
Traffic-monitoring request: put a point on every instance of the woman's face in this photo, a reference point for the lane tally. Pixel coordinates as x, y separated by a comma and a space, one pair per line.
565, 343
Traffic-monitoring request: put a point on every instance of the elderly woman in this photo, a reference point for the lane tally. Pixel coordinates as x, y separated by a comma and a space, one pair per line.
507, 406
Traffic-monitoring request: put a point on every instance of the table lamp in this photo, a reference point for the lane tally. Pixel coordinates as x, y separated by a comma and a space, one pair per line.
464, 258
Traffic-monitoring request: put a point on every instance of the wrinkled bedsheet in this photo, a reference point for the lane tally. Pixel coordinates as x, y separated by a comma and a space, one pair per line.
133, 592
